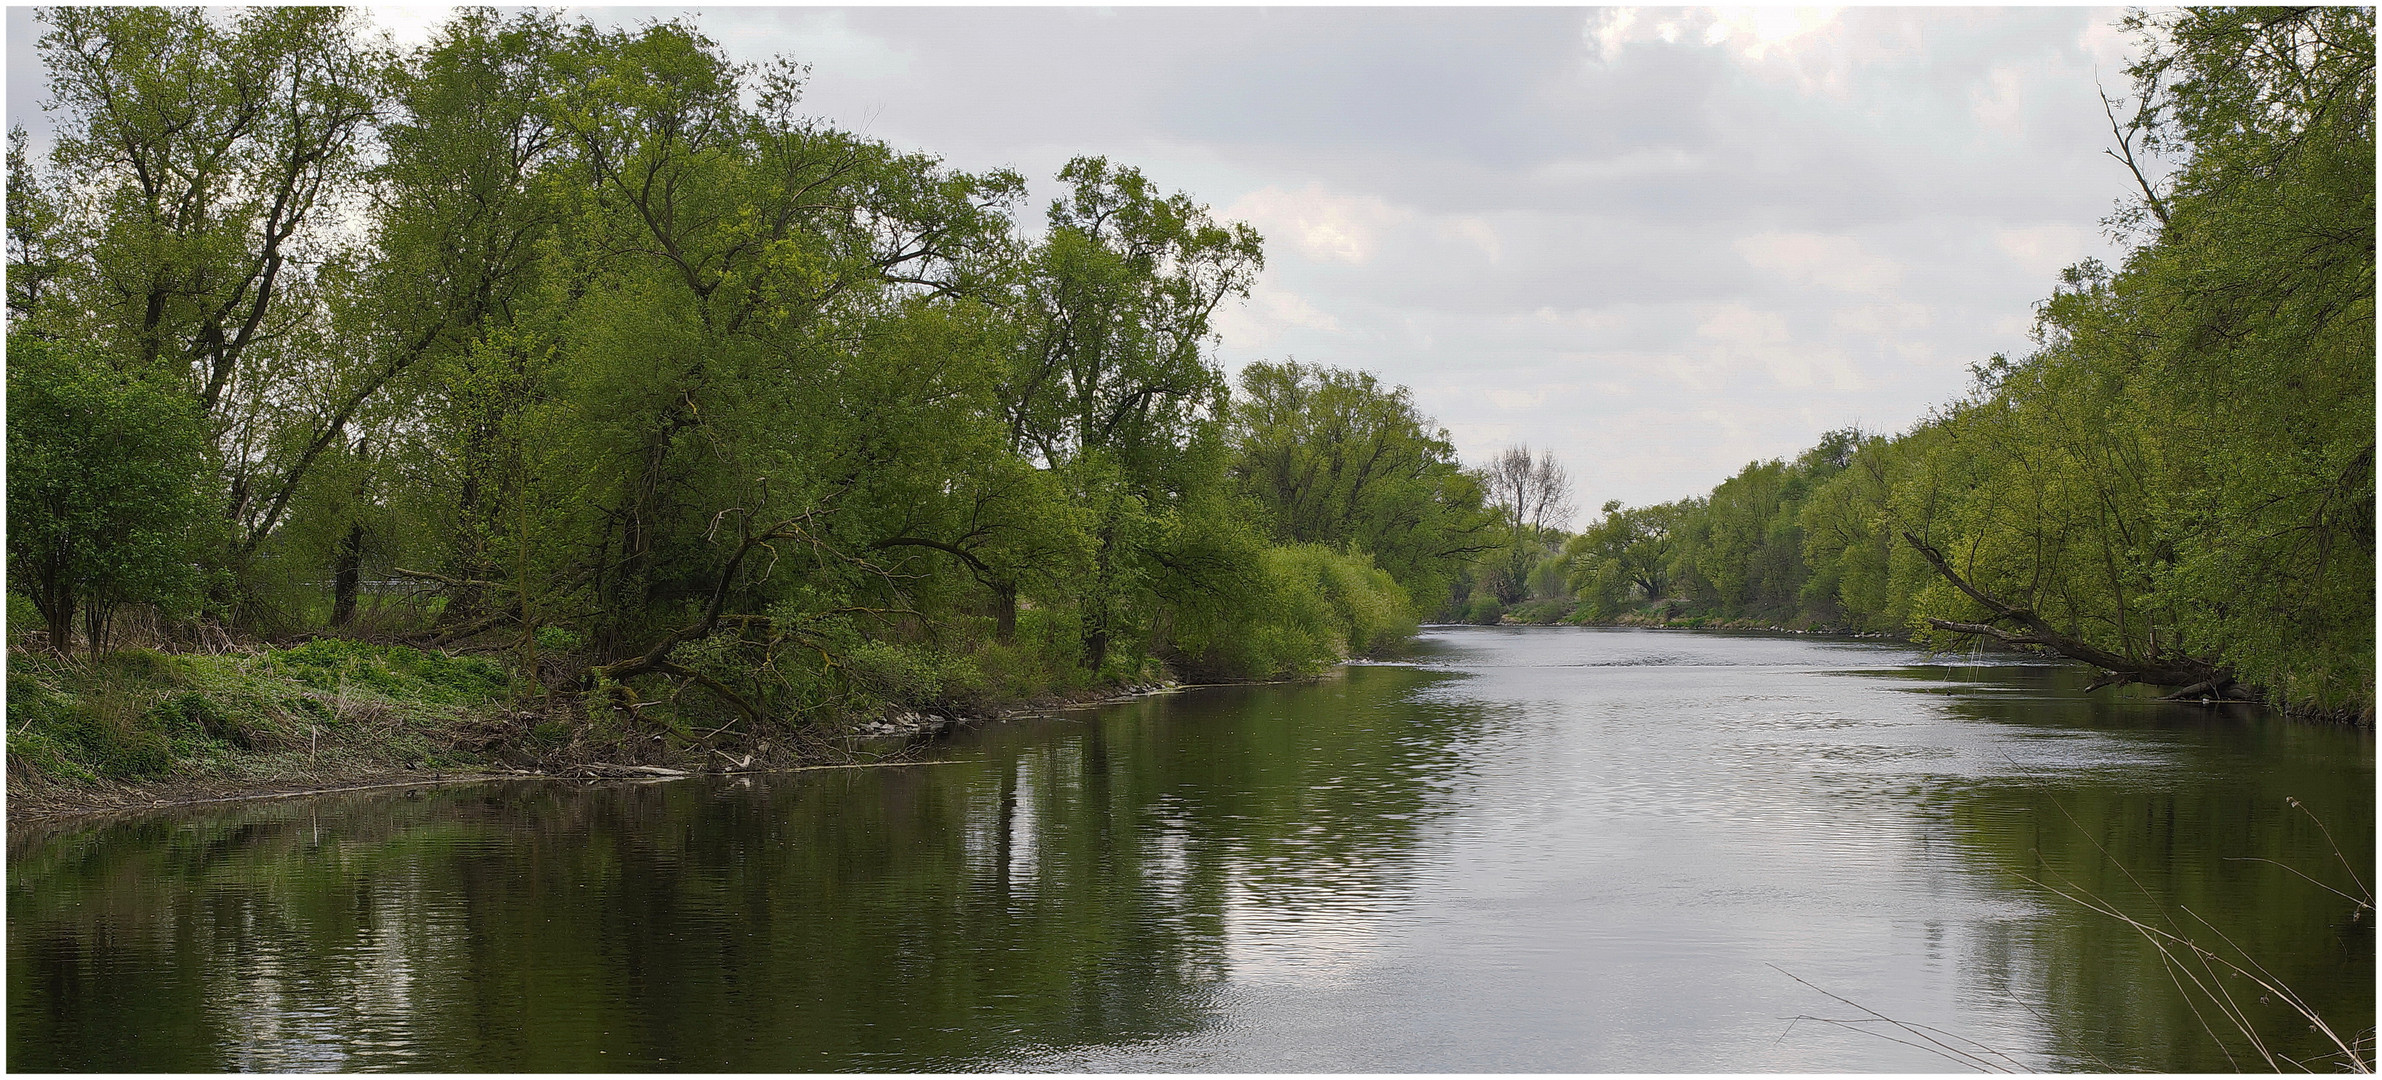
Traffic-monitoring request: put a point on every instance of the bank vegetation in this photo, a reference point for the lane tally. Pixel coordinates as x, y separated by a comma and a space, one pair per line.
2177, 484
553, 393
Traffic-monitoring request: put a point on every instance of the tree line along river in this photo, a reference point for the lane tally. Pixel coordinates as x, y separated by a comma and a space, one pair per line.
1527, 849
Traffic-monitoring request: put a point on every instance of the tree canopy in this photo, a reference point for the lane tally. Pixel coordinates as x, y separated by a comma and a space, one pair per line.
588, 344
2177, 483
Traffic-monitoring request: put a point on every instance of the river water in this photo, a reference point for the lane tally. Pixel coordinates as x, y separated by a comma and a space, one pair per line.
1530, 849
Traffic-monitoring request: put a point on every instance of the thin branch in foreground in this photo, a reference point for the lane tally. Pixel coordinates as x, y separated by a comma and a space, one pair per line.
1977, 1059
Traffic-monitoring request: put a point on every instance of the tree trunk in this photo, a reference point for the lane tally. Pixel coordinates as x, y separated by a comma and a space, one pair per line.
98, 616
348, 575
2157, 670
1005, 612
58, 615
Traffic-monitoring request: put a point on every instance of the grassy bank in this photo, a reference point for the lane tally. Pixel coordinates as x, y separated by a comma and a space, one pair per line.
138, 724
174, 722
140, 727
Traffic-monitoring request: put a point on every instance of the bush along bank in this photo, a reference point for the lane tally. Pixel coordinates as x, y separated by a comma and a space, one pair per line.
138, 727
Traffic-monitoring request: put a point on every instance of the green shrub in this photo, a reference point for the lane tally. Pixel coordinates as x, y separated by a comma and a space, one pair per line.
1311, 607
1483, 610
105, 503
893, 672
1543, 612
23, 618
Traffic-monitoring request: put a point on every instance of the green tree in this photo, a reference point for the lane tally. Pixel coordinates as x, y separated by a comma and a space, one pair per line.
37, 240
1531, 494
2178, 485
1624, 557
1113, 385
1336, 459
104, 500
206, 161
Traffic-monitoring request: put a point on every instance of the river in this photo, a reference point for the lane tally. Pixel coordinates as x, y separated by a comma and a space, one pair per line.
1528, 849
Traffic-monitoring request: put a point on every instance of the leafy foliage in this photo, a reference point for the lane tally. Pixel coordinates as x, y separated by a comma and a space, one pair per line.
2177, 484
1337, 460
103, 496
586, 345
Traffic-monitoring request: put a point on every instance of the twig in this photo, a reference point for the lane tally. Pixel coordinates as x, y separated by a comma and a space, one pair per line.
2336, 847
2364, 904
1936, 1046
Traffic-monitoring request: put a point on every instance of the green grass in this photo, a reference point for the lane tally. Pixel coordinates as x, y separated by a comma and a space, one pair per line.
138, 714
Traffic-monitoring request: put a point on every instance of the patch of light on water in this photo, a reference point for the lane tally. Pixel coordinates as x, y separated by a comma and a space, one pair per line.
1278, 935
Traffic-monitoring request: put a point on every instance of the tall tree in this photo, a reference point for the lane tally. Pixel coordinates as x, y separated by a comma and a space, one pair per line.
1336, 459
208, 159
1532, 494
2179, 485
1113, 385
1626, 555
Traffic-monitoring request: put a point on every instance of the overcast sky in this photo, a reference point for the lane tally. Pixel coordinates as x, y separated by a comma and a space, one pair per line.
1659, 242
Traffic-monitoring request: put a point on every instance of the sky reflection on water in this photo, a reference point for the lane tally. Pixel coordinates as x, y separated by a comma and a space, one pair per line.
1555, 849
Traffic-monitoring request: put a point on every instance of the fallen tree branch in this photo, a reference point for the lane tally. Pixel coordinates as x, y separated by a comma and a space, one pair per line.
2040, 634
460, 583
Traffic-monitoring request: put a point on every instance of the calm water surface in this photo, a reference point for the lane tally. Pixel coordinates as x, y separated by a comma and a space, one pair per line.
1533, 849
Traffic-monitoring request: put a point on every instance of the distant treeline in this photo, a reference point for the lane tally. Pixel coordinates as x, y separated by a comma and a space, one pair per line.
2177, 484
585, 347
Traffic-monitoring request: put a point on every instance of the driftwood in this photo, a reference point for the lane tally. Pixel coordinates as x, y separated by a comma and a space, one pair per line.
2198, 677
608, 770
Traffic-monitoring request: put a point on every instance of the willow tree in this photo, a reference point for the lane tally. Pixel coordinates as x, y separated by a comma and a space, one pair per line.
202, 163
1337, 459
1114, 388
2178, 486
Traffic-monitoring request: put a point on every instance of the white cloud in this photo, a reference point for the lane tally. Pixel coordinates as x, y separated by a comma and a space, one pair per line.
1835, 262
1514, 400
1999, 103
1747, 33
409, 24
2109, 47
828, 42
1756, 32
1631, 165
1476, 441
1816, 50
1477, 231
2044, 249
1592, 321
1270, 313
1741, 327
1744, 340
1880, 320
1319, 224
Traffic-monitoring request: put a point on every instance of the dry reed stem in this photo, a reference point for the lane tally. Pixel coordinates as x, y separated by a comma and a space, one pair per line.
1933, 1045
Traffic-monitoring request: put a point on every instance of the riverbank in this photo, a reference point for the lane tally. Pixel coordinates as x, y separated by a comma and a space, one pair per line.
1551, 613
141, 729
